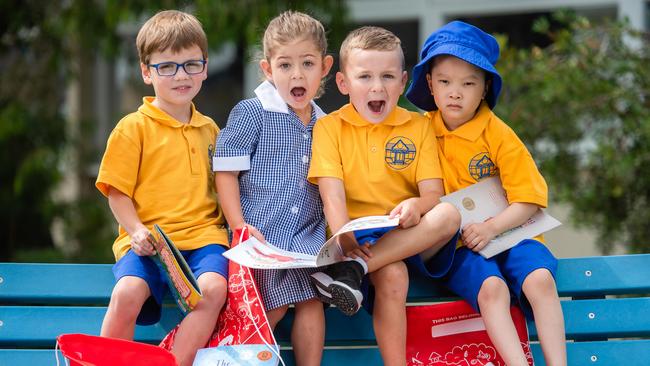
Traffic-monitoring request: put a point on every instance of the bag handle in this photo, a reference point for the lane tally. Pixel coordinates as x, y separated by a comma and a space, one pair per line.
56, 354
250, 311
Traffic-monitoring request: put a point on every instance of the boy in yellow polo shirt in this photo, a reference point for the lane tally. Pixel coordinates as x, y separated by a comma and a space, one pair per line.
157, 170
456, 81
373, 158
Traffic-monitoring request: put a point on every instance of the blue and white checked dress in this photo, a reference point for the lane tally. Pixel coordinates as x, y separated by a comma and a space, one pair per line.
271, 147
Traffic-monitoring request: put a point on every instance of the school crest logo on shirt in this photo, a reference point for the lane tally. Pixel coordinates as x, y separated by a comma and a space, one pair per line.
400, 152
481, 166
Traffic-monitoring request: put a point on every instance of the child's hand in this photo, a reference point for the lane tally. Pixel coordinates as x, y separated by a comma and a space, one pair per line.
477, 236
408, 212
252, 230
141, 243
362, 251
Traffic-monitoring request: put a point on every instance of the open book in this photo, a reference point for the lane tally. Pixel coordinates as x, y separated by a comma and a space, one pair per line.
180, 278
486, 199
255, 254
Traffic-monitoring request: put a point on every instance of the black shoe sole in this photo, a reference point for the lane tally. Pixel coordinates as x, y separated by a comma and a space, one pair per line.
345, 298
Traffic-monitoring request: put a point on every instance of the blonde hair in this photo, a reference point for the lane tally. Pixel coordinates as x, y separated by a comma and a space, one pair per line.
170, 29
290, 26
369, 38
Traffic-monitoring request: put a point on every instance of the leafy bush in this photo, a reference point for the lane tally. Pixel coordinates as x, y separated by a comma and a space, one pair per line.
583, 106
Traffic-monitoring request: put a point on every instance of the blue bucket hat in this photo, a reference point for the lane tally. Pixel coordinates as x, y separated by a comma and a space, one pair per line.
461, 40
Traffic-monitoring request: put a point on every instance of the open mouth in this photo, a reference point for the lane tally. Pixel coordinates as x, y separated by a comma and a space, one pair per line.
298, 92
376, 106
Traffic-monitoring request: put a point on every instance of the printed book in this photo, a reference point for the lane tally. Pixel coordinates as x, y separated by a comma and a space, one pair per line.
181, 280
255, 254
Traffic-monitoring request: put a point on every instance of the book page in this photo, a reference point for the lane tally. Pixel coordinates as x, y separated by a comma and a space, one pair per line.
539, 223
254, 254
332, 251
486, 199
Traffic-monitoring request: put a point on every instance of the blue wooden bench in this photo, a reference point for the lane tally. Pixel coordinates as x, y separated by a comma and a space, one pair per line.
606, 303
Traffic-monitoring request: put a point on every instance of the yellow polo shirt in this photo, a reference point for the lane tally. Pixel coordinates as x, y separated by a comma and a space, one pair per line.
165, 167
380, 164
485, 146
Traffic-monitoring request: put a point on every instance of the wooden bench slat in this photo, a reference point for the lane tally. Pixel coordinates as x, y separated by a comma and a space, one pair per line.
607, 322
609, 353
31, 357
340, 329
93, 284
608, 275
56, 283
342, 356
576, 277
38, 326
628, 353
611, 318
589, 276
348, 356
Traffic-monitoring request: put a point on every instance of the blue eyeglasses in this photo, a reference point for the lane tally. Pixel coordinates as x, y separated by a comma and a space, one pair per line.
191, 67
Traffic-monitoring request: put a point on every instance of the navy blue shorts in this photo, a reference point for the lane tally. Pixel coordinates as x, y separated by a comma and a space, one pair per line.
205, 259
469, 270
435, 267
438, 265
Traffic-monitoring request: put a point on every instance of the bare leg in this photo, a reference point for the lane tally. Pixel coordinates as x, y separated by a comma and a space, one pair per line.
308, 333
389, 314
494, 302
539, 288
435, 229
275, 315
127, 298
197, 326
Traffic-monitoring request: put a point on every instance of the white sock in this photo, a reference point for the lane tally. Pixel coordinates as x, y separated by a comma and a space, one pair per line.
363, 263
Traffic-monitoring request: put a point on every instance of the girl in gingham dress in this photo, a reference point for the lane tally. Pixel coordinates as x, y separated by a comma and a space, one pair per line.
261, 162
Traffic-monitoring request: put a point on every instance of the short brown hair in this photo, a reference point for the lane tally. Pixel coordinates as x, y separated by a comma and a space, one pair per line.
369, 38
170, 29
290, 26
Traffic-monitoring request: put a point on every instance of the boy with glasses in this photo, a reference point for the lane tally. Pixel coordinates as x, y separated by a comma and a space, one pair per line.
157, 170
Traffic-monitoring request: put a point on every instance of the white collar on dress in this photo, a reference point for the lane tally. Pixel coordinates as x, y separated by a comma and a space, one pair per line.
273, 102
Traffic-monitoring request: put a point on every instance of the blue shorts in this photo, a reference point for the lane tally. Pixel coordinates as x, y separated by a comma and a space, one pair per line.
435, 267
371, 236
469, 270
438, 265
205, 259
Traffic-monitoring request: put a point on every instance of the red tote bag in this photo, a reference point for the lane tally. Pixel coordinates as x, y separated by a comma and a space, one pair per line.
87, 350
242, 320
453, 334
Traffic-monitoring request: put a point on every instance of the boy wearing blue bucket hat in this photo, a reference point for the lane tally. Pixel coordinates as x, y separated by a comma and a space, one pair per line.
457, 83
371, 157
